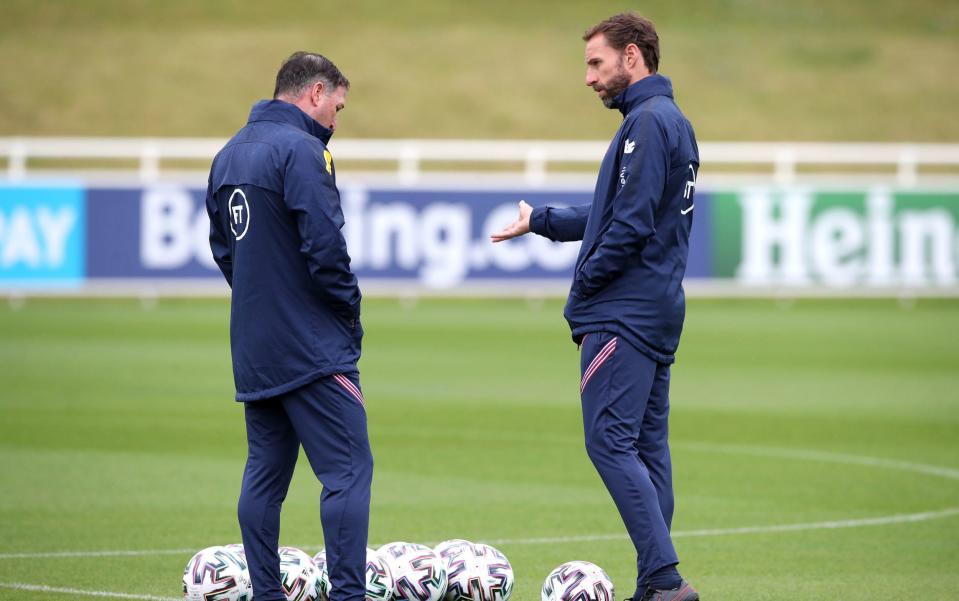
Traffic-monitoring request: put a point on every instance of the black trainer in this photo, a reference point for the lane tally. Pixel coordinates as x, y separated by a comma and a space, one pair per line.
685, 592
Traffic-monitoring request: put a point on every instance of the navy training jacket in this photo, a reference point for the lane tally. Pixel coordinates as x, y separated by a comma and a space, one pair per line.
635, 233
275, 222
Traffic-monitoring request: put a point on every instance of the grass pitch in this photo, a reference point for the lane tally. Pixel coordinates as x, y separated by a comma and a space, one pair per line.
118, 434
750, 70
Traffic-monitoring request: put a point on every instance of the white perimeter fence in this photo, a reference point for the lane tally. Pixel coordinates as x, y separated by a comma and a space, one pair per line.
410, 161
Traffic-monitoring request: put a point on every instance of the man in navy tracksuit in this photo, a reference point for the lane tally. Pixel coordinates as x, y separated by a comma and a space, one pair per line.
295, 333
626, 305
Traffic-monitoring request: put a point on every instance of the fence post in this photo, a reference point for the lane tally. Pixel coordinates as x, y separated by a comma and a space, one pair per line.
17, 163
409, 164
535, 165
149, 161
785, 173
907, 173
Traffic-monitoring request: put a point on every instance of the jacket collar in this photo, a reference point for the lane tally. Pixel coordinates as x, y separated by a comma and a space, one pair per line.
284, 112
642, 90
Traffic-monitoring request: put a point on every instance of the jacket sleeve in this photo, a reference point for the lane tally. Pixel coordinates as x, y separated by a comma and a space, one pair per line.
219, 242
642, 181
311, 195
560, 224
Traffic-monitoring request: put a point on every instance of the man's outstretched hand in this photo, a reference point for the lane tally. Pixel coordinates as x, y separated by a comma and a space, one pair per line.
518, 227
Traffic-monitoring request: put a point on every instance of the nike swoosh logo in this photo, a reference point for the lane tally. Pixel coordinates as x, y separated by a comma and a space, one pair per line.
684, 211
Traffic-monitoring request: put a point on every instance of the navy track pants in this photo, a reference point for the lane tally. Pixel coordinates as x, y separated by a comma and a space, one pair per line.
625, 398
328, 418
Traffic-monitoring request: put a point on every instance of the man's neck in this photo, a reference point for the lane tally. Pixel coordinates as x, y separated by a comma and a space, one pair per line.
639, 77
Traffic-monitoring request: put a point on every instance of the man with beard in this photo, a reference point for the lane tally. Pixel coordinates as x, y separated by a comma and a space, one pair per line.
626, 305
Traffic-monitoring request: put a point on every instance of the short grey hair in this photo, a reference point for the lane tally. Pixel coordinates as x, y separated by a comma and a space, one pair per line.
304, 69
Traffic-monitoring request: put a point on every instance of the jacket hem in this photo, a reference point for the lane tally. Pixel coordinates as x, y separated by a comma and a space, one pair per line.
259, 395
657, 356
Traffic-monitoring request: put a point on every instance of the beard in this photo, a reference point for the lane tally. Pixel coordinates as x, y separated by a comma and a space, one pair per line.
615, 86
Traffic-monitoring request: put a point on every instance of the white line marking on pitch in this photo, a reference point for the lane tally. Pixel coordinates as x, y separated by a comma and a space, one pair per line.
761, 451
54, 554
545, 540
19, 586
826, 456
878, 521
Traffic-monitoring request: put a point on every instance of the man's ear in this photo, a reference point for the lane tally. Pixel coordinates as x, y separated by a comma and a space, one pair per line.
317, 92
633, 56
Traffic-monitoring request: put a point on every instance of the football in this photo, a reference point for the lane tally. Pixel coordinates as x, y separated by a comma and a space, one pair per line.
216, 574
450, 548
577, 581
379, 579
319, 560
237, 549
418, 572
299, 577
476, 572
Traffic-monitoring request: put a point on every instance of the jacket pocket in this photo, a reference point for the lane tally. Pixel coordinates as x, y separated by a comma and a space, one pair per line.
587, 256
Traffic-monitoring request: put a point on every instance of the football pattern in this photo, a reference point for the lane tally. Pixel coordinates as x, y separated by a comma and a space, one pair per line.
216, 574
418, 573
477, 572
577, 581
299, 578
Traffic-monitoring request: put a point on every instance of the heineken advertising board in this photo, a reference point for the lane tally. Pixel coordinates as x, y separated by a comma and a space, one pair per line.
800, 236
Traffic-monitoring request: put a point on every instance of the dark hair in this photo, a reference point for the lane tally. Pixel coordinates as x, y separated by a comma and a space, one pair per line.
306, 68
629, 28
